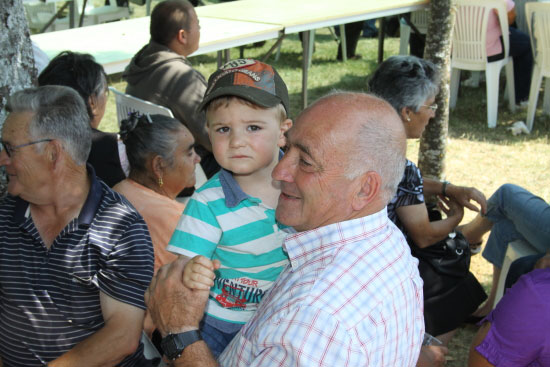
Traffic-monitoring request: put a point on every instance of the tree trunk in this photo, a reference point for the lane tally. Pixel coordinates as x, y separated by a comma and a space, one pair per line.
16, 57
431, 155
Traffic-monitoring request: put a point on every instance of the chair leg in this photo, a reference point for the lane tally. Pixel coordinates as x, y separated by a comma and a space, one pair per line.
492, 75
546, 104
405, 34
533, 96
455, 81
511, 88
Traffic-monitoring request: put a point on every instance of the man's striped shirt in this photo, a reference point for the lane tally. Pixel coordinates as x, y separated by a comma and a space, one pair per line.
49, 298
222, 222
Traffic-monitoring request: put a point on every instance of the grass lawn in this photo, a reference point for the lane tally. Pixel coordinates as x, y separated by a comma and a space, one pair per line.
477, 156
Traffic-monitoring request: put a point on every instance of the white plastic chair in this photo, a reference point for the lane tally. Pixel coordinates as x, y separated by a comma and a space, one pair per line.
40, 13
538, 21
102, 14
125, 104
150, 351
419, 19
515, 250
469, 52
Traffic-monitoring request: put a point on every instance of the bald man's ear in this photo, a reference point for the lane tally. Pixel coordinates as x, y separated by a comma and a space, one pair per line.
370, 185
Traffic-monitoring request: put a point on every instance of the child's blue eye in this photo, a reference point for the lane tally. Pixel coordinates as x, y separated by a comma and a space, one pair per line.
254, 128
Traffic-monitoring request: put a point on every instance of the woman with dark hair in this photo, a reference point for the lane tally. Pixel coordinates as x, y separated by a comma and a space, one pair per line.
82, 73
410, 85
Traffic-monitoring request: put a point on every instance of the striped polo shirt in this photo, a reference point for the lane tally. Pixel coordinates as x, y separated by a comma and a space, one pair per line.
49, 299
224, 223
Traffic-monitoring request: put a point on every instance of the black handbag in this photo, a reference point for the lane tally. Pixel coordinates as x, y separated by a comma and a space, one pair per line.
450, 256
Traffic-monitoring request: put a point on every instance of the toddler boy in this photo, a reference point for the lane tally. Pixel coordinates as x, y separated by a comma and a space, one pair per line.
231, 218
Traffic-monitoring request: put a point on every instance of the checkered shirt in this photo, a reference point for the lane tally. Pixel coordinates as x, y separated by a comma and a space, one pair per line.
351, 296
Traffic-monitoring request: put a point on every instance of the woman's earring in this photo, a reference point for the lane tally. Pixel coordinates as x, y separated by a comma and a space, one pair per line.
160, 182
408, 118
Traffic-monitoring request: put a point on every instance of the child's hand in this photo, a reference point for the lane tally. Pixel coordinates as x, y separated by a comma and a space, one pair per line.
199, 273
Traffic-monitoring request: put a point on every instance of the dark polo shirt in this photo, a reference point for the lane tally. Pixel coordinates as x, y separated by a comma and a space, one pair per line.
49, 299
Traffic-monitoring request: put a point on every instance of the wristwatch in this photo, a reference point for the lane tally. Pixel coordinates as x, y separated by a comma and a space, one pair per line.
174, 344
444, 185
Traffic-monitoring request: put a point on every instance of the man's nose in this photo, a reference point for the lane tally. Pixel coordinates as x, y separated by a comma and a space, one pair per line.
283, 171
4, 158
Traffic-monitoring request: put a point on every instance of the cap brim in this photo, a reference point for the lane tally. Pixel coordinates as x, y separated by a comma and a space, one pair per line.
251, 94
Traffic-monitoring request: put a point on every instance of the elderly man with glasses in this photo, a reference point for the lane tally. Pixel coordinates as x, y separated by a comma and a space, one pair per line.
75, 257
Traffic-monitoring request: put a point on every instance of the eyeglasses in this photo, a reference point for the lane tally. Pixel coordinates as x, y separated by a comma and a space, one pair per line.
9, 149
432, 107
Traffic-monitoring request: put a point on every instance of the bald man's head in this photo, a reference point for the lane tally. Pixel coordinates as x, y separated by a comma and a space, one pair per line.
345, 157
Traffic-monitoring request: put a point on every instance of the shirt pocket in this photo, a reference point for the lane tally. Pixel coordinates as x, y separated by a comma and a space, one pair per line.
84, 307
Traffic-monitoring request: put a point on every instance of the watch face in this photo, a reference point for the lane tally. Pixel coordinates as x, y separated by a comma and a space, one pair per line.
174, 344
169, 347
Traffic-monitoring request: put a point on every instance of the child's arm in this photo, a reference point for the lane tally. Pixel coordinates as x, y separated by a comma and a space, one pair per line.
199, 273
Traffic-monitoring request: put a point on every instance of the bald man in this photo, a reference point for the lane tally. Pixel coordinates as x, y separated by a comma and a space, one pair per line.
351, 295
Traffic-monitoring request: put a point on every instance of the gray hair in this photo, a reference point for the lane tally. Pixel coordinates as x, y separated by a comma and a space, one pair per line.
58, 113
149, 135
379, 144
405, 81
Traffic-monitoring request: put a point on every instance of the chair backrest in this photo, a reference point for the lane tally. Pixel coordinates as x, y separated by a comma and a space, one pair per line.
125, 104
420, 20
469, 49
39, 14
538, 22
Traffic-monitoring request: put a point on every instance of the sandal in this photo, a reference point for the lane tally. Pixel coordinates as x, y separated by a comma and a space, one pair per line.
475, 248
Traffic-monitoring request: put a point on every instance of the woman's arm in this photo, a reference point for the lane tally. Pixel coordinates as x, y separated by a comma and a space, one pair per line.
475, 359
511, 16
423, 232
462, 194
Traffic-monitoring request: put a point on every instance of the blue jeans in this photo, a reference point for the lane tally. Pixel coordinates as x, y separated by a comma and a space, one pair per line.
216, 339
516, 214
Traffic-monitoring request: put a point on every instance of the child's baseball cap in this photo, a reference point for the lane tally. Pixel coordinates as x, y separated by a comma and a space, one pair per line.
249, 79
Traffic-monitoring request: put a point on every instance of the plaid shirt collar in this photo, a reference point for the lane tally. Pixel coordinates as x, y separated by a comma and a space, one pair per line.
304, 247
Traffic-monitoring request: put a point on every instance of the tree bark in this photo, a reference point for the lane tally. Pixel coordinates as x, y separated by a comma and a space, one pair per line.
17, 69
431, 155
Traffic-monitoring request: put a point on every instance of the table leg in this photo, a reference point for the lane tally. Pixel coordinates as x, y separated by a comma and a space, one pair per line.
82, 14
311, 47
343, 42
305, 64
277, 46
148, 7
220, 58
381, 33
226, 55
72, 13
50, 22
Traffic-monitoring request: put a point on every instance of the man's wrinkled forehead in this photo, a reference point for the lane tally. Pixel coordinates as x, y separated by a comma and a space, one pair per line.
308, 138
16, 123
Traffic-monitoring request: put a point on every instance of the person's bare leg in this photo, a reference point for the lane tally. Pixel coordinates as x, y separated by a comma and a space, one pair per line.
484, 309
475, 230
446, 338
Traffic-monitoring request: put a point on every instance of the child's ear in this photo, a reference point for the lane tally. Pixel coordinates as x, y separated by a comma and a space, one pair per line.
285, 126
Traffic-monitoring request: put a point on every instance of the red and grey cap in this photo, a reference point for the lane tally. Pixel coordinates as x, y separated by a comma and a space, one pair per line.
249, 79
